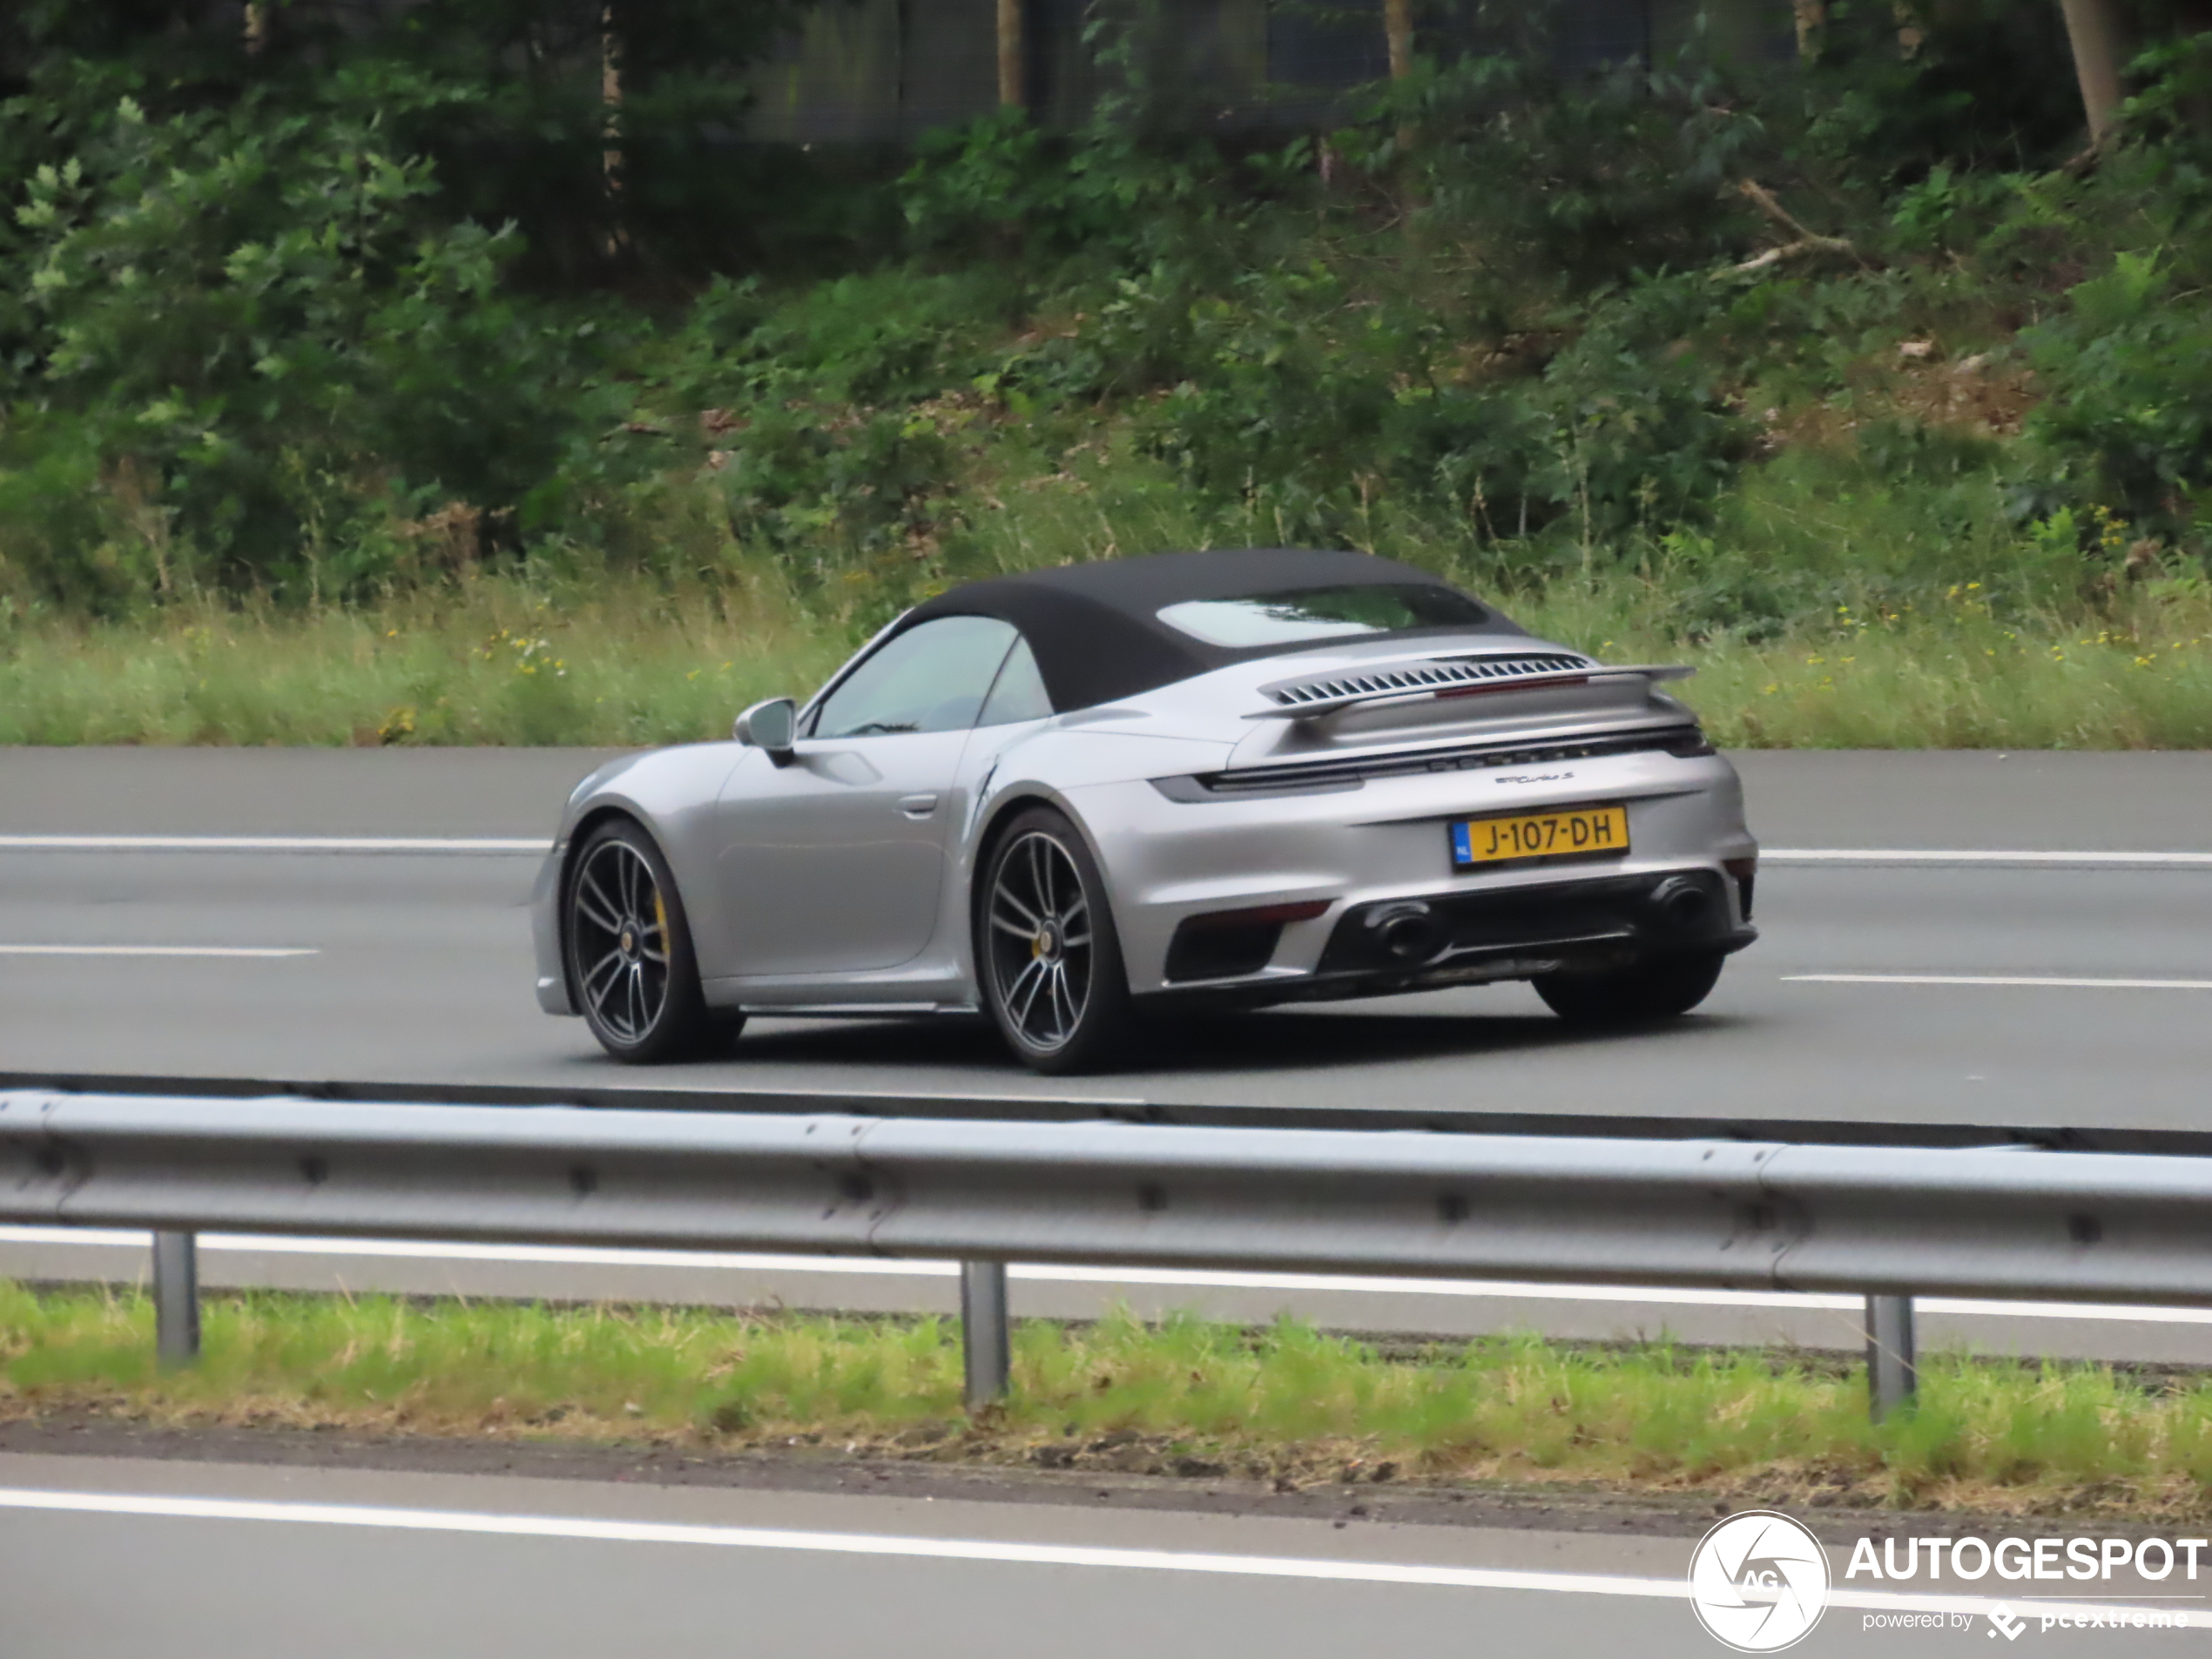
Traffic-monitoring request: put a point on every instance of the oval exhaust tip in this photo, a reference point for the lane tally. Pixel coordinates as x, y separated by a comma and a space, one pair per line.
1412, 938
1683, 904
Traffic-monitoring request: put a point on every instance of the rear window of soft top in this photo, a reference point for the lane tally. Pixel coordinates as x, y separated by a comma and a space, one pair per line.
1261, 619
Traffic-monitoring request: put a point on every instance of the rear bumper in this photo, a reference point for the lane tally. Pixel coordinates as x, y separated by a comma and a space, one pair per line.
1639, 914
1460, 937
1327, 863
1568, 925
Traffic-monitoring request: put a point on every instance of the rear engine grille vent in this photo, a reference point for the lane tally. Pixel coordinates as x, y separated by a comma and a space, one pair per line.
1441, 676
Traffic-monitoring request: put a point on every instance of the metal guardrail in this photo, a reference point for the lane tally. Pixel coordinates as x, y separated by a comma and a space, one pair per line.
1887, 1223
653, 1094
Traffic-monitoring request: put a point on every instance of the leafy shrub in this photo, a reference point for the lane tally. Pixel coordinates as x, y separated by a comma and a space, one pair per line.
1953, 211
1003, 179
1130, 184
256, 326
1585, 180
1277, 415
811, 485
1899, 90
505, 98
1311, 411
2129, 366
885, 337
253, 314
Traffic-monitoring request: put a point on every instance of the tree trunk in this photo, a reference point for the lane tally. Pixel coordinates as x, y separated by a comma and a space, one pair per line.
1812, 20
1398, 28
2093, 28
1398, 24
611, 157
1014, 57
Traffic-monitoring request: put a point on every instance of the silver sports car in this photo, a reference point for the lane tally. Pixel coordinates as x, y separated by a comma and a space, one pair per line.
1237, 777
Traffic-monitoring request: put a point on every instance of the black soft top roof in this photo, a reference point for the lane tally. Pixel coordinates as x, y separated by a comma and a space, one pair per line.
1096, 630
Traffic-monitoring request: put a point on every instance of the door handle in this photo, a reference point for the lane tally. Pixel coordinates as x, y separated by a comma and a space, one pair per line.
918, 805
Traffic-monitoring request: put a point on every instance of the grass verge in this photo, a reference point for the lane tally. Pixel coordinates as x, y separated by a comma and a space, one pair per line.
498, 660
481, 661
1825, 616
1184, 1397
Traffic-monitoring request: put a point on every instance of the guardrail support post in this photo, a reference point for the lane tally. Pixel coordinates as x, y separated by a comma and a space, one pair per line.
1892, 1358
983, 1332
176, 1298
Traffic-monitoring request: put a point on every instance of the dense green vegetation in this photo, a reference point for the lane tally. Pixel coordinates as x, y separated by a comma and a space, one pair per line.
1184, 1397
1859, 381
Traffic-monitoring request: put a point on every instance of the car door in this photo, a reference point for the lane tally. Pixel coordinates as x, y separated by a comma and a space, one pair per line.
835, 862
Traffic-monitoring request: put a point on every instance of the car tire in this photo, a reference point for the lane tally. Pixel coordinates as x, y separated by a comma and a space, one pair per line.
1047, 957
631, 968
1658, 987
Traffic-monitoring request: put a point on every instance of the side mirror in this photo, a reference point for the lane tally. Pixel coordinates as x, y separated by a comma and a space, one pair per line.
772, 726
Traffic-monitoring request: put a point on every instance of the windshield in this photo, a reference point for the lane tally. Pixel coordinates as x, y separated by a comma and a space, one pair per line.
1322, 613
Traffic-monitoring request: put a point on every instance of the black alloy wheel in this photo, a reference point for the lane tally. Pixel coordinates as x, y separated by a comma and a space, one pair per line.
1658, 987
1046, 949
631, 965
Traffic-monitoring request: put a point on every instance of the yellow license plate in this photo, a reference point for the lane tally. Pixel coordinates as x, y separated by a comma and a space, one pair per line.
1588, 831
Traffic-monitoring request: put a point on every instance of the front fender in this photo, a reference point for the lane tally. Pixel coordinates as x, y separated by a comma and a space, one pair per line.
672, 794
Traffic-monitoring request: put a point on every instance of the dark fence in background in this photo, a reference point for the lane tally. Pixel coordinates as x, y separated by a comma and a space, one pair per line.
887, 70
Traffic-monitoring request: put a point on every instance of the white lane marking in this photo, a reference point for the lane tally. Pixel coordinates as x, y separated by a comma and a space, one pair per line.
1947, 855
428, 1249
2000, 979
247, 951
725, 1261
966, 1549
268, 843
971, 1549
530, 844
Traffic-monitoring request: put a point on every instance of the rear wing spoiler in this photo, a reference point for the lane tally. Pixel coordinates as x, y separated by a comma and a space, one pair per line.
1426, 680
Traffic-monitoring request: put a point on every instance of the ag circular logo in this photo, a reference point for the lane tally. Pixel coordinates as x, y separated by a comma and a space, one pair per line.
1759, 1582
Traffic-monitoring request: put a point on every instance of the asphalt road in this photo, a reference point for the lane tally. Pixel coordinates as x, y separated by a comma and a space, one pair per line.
412, 966
101, 1556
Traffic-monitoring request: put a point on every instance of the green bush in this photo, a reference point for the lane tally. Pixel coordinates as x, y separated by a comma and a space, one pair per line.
251, 329
893, 335
1580, 182
358, 312
2129, 365
1311, 412
1002, 181
1899, 91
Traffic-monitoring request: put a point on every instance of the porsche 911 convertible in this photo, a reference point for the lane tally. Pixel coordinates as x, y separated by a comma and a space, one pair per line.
1240, 777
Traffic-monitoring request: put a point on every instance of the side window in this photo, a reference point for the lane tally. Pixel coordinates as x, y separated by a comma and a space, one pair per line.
1019, 693
930, 679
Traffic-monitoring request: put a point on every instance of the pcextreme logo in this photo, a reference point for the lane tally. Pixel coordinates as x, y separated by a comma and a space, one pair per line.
1759, 1582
